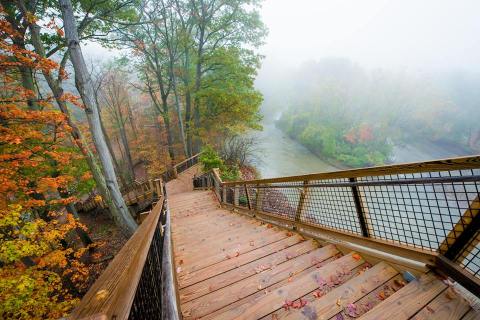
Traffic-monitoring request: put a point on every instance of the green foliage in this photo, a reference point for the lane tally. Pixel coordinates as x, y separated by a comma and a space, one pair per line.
228, 99
344, 143
229, 173
211, 160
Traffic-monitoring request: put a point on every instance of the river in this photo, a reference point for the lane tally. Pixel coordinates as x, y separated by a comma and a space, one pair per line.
278, 155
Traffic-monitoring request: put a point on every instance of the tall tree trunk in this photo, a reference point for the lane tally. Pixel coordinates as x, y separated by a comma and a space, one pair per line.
118, 170
180, 117
29, 84
132, 121
86, 90
188, 104
126, 147
166, 120
77, 136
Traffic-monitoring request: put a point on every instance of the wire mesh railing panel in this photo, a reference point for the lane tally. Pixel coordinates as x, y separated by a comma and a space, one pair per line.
331, 206
147, 303
242, 197
420, 214
229, 195
281, 199
252, 193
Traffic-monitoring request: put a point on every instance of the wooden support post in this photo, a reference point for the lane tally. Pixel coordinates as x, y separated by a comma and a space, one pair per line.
359, 207
249, 203
463, 232
158, 187
150, 185
236, 195
301, 202
175, 172
224, 194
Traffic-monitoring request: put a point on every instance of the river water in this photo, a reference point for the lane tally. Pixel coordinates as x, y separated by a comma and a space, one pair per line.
278, 155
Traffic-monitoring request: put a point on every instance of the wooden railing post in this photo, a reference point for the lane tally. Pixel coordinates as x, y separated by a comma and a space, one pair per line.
175, 172
249, 203
301, 202
359, 208
224, 194
463, 232
150, 185
158, 187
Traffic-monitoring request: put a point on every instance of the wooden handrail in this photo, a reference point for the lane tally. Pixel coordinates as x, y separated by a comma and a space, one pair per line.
111, 296
188, 159
460, 163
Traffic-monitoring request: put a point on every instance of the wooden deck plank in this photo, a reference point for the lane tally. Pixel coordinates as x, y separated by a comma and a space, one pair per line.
472, 315
233, 236
220, 298
238, 307
241, 249
224, 234
245, 271
375, 297
226, 265
339, 298
405, 303
448, 305
292, 290
232, 246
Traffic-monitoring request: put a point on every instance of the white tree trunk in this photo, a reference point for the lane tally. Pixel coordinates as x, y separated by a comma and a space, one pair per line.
85, 88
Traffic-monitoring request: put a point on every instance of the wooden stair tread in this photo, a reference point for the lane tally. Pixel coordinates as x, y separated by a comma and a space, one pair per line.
226, 265
236, 238
245, 271
447, 305
337, 299
293, 290
233, 251
220, 298
406, 302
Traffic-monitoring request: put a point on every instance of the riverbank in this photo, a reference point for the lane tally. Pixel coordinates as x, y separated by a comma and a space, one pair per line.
279, 155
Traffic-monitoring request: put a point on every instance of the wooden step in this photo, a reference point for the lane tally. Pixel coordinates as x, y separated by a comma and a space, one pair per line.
447, 305
235, 237
245, 271
298, 287
406, 302
341, 297
220, 298
235, 262
237, 250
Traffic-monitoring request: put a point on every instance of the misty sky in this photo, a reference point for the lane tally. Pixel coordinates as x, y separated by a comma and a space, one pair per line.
398, 34
390, 34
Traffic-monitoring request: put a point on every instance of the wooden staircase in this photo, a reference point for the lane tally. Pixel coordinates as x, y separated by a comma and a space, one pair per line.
231, 266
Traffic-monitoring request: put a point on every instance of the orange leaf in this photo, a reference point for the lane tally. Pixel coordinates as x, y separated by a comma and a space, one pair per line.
356, 256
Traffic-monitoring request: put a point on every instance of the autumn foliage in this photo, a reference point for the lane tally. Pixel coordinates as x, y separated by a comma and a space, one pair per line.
41, 271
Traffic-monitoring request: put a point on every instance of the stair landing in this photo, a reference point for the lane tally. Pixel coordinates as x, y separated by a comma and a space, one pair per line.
230, 266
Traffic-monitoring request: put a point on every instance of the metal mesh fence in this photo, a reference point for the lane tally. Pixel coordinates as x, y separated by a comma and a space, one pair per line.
331, 207
147, 303
426, 210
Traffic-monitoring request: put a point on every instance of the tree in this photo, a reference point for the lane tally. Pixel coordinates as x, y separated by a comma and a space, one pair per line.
40, 273
115, 99
85, 88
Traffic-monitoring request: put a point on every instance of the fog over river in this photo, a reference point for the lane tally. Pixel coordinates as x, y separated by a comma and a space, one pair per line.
278, 155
